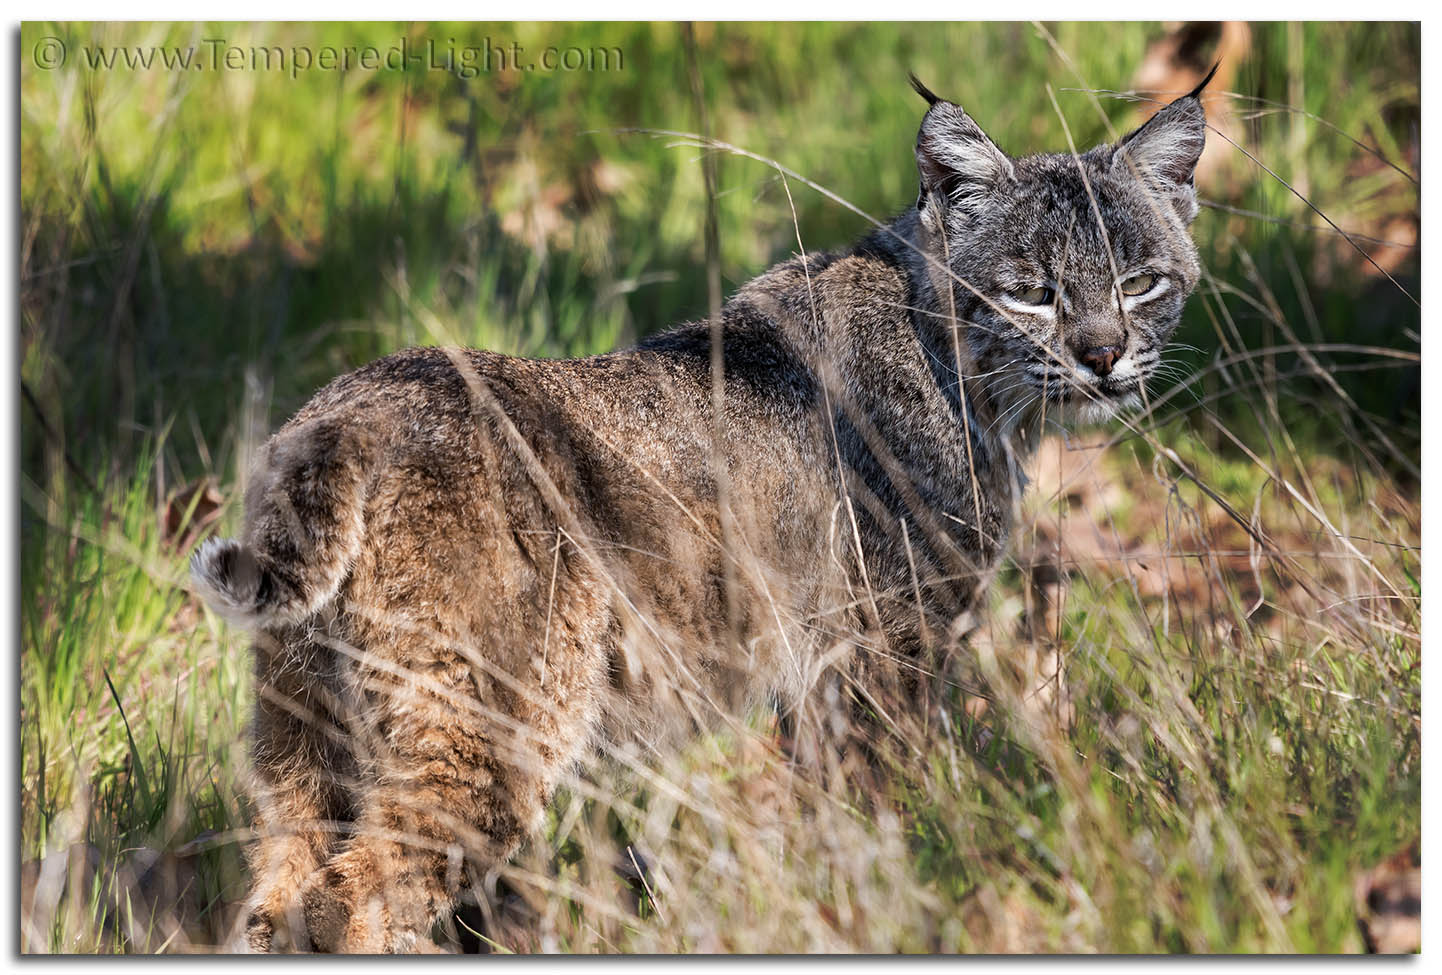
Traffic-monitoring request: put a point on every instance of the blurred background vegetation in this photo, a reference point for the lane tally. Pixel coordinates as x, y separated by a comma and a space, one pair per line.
200, 250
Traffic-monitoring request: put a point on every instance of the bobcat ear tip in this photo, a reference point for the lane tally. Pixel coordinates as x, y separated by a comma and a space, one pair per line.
1197, 91
931, 97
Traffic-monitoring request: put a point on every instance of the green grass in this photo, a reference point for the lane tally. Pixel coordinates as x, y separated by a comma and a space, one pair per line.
200, 251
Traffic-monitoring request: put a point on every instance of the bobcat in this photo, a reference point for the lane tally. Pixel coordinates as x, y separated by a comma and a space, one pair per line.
466, 570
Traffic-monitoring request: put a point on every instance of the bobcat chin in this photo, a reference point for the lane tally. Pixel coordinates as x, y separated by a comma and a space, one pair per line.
465, 570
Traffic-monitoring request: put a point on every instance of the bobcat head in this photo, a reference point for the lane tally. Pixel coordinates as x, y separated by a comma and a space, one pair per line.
1066, 272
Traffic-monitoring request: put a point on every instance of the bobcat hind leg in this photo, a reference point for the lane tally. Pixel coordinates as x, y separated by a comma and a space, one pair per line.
456, 779
298, 788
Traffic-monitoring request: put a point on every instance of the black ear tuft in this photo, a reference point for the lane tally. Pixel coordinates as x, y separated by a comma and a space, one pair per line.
1197, 91
1163, 153
931, 97
959, 165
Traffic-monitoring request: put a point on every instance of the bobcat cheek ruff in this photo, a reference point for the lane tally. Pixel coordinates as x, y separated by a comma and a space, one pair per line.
466, 571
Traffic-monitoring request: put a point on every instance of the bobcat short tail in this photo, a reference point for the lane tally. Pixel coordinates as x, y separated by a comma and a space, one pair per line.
305, 521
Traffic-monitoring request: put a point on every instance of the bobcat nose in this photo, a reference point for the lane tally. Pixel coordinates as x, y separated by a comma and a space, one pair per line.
1101, 358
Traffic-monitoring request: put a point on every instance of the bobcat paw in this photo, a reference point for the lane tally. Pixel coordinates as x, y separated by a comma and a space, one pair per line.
262, 936
344, 920
253, 938
272, 926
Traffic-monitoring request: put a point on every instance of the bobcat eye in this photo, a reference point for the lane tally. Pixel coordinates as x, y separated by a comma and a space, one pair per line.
1037, 296
1138, 284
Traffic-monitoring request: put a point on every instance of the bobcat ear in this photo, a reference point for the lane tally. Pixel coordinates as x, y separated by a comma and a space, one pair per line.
1164, 151
959, 165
